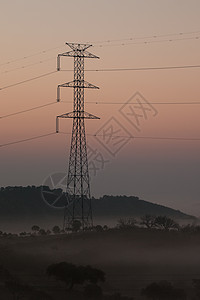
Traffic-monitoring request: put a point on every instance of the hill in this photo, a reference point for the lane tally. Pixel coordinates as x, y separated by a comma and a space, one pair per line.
31, 201
131, 206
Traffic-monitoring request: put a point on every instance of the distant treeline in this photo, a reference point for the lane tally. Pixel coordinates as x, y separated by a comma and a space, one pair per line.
146, 223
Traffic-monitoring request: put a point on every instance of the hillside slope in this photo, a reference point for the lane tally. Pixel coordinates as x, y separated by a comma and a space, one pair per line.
17, 202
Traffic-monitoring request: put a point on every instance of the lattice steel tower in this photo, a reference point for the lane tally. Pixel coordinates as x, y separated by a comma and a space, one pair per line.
78, 205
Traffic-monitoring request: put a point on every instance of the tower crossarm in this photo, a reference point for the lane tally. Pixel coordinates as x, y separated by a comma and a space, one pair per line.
78, 53
78, 50
79, 83
75, 84
77, 46
75, 114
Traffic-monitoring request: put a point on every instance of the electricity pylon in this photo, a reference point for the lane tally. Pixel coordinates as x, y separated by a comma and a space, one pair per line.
78, 206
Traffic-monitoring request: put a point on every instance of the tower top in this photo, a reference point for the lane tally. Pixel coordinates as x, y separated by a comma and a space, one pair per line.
78, 50
77, 46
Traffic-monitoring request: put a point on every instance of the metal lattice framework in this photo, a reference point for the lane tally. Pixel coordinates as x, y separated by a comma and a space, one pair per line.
78, 206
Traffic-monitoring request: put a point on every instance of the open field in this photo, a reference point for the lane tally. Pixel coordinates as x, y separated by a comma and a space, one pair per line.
131, 259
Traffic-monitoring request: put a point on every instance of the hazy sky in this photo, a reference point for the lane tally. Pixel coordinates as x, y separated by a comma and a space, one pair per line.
34, 32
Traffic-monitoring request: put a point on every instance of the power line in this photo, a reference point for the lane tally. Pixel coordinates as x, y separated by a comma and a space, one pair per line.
145, 68
142, 137
30, 65
117, 103
106, 70
151, 137
148, 42
31, 55
27, 66
27, 80
167, 138
155, 36
96, 103
138, 69
28, 139
27, 110
94, 135
147, 37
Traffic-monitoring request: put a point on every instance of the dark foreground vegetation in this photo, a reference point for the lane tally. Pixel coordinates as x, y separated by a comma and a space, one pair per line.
153, 257
87, 277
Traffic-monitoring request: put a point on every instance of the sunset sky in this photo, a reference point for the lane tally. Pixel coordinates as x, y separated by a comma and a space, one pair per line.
124, 34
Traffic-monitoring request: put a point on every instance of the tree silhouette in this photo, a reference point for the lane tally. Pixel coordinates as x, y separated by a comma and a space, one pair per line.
105, 227
56, 229
42, 232
148, 221
65, 272
91, 274
190, 228
126, 223
35, 228
71, 274
165, 223
98, 228
22, 233
163, 290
